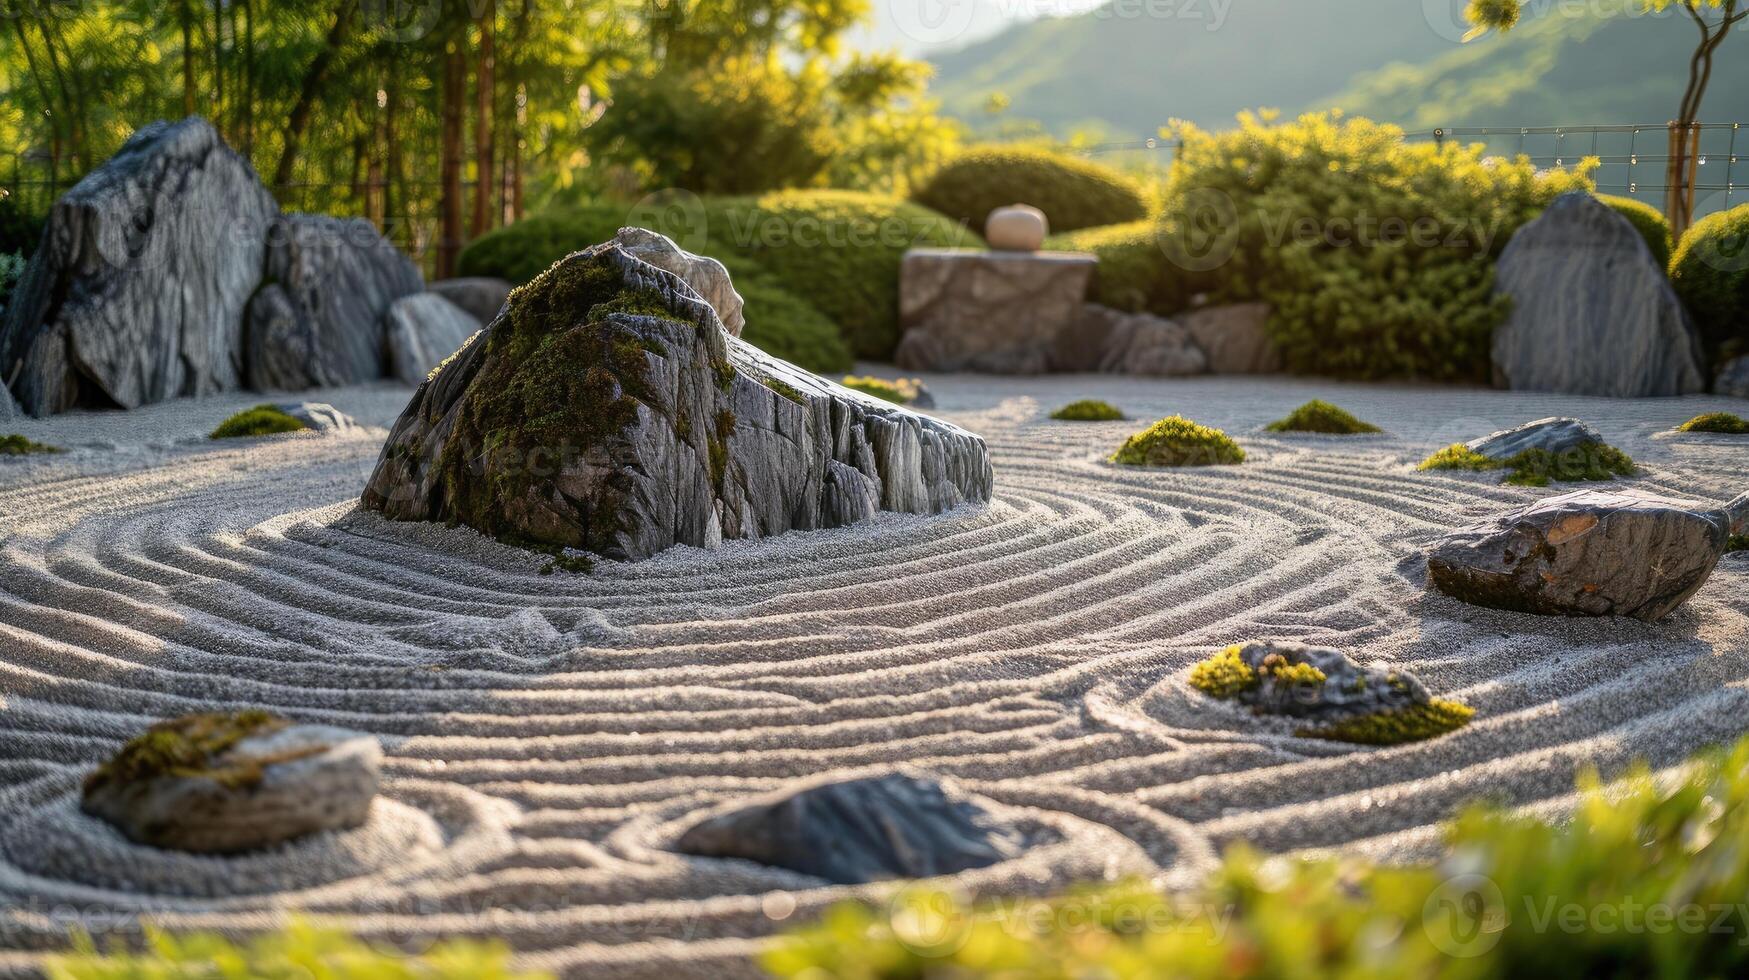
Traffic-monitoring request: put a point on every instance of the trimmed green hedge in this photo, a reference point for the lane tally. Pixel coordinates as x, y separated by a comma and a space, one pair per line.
1710, 271
1648, 221
1134, 274
834, 252
1073, 193
1646, 880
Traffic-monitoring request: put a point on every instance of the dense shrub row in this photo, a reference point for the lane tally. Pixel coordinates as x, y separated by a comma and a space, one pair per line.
1073, 193
1645, 881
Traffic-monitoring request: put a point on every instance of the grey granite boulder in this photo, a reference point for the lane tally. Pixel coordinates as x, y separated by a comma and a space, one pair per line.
705, 275
421, 330
1147, 345
1588, 553
319, 417
1235, 339
607, 409
480, 297
1348, 689
1592, 311
137, 292
8, 408
1555, 435
318, 319
1733, 378
995, 312
224, 784
854, 831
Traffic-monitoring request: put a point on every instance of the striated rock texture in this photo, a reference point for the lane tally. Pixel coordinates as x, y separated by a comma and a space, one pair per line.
1588, 553
8, 408
1592, 311
855, 831
1235, 338
1553, 435
480, 296
705, 275
1144, 344
138, 290
223, 784
996, 312
607, 409
421, 330
319, 417
1733, 378
318, 318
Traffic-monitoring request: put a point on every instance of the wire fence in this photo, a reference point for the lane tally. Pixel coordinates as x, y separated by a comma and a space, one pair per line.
1633, 158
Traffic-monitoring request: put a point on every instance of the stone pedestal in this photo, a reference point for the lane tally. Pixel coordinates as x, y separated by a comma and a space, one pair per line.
997, 312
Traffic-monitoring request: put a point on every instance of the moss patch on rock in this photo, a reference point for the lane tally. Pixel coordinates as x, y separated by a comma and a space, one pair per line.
1721, 422
1322, 417
262, 420
1737, 542
1587, 462
190, 746
1177, 441
1411, 724
1223, 675
16, 445
1088, 410
900, 391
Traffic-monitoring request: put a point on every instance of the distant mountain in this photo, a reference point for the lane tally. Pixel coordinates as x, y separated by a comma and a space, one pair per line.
1395, 60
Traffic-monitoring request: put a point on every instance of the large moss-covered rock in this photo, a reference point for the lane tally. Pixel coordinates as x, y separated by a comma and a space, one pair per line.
1588, 553
607, 409
137, 293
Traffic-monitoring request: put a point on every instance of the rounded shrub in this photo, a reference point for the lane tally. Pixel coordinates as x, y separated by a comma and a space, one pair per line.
1721, 422
1710, 271
1088, 410
521, 251
783, 324
1648, 221
1322, 417
1134, 274
1177, 441
1073, 193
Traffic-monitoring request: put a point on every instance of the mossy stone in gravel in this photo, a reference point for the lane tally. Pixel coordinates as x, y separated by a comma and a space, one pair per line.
1177, 441
1322, 417
186, 746
1592, 461
1721, 422
1088, 410
262, 420
1334, 697
16, 445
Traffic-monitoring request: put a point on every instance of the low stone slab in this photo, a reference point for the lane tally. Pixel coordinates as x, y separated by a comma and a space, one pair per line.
1588, 553
855, 831
481, 297
223, 784
421, 330
996, 312
606, 409
1593, 313
1235, 339
1555, 435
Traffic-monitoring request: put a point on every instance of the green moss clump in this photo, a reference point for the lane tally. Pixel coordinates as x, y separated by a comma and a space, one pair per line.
1224, 675
1088, 410
784, 388
1177, 441
1737, 542
1322, 417
1723, 422
16, 445
1073, 193
1592, 461
900, 391
262, 420
189, 745
1411, 724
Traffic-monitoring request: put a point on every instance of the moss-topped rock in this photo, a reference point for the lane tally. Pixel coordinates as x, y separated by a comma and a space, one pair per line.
1177, 441
1328, 694
606, 409
228, 782
1536, 453
17, 445
262, 420
1088, 410
1724, 423
1322, 417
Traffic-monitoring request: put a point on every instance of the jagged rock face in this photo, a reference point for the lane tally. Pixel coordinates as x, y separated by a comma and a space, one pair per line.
137, 293
1146, 345
1592, 312
1555, 435
1733, 378
861, 830
422, 330
607, 409
319, 417
1588, 553
8, 408
995, 312
705, 275
198, 790
318, 318
480, 296
1234, 338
